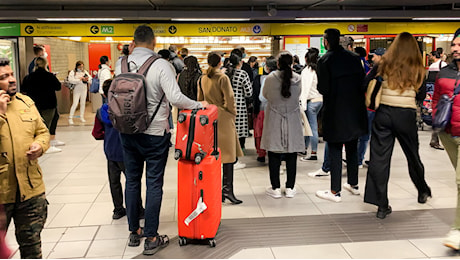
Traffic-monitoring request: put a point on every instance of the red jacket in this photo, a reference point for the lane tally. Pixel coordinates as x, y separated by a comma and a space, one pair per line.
448, 78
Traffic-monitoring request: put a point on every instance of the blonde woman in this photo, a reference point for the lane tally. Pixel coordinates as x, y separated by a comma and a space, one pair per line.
403, 73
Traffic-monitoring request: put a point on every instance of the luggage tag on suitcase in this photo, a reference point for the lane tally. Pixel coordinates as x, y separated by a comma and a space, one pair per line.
200, 207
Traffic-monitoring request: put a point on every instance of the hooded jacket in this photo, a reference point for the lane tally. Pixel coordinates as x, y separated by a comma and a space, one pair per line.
103, 129
21, 126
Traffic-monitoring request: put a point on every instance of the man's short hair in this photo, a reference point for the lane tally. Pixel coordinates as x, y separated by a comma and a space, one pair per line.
332, 36
184, 51
172, 48
106, 86
346, 41
4, 62
144, 34
164, 53
436, 54
238, 52
38, 48
271, 63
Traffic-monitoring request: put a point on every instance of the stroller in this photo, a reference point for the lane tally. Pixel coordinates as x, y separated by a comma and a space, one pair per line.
425, 107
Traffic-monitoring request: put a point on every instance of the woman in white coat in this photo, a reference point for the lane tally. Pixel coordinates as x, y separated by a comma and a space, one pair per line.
81, 78
103, 74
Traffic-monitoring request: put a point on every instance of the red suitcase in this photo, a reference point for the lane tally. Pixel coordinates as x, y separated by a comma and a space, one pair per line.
195, 133
199, 199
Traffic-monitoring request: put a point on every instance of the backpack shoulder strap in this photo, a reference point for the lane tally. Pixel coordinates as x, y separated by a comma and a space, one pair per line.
145, 67
124, 64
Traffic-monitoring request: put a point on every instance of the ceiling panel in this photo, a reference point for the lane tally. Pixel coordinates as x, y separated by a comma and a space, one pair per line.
253, 9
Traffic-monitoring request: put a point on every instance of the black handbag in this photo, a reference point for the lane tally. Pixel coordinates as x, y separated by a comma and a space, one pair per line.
444, 110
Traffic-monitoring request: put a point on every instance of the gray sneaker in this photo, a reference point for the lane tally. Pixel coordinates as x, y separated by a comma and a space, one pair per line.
151, 247
135, 238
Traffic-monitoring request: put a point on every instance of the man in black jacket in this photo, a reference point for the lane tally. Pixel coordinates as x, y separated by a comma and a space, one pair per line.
340, 75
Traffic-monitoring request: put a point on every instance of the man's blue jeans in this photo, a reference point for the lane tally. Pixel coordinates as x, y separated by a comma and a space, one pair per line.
153, 150
313, 109
364, 140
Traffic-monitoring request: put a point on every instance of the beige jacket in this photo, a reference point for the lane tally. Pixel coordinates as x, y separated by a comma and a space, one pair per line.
395, 98
218, 91
19, 128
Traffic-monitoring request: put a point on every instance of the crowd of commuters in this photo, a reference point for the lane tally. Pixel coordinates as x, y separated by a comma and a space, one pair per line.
276, 97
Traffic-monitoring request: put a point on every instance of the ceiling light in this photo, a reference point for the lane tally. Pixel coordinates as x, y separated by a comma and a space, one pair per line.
331, 18
78, 19
436, 18
209, 19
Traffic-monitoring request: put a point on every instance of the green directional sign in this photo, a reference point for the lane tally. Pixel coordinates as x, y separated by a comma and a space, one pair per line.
106, 29
10, 29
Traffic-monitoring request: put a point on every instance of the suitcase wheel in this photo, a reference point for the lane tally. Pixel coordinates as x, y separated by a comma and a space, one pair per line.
182, 117
198, 158
182, 241
177, 154
212, 242
204, 120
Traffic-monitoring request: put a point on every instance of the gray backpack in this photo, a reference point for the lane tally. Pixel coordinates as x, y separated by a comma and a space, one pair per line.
127, 99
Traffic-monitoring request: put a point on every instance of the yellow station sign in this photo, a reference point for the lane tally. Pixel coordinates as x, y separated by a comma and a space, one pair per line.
237, 29
125, 30
363, 28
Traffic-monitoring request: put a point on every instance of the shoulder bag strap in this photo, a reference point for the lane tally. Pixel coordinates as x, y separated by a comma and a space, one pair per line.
143, 70
124, 64
145, 67
156, 110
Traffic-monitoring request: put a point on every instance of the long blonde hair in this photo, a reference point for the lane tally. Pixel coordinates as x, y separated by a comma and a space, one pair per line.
402, 64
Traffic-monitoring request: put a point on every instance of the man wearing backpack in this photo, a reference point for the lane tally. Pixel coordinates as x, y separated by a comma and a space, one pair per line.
152, 145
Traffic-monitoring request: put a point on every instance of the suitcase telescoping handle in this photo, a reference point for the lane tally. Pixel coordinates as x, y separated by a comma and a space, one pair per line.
215, 152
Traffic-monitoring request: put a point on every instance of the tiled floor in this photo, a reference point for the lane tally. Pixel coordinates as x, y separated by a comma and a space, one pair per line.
79, 221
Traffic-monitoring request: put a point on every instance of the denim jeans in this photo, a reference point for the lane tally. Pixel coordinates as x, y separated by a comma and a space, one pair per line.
313, 109
364, 140
153, 150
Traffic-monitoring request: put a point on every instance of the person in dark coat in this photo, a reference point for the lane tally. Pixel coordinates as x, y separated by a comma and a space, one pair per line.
41, 85
188, 78
340, 75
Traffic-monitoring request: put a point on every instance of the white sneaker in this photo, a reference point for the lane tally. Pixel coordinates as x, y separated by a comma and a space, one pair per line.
452, 239
274, 193
53, 149
82, 120
354, 190
56, 142
290, 193
70, 121
238, 165
328, 195
319, 173
360, 166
